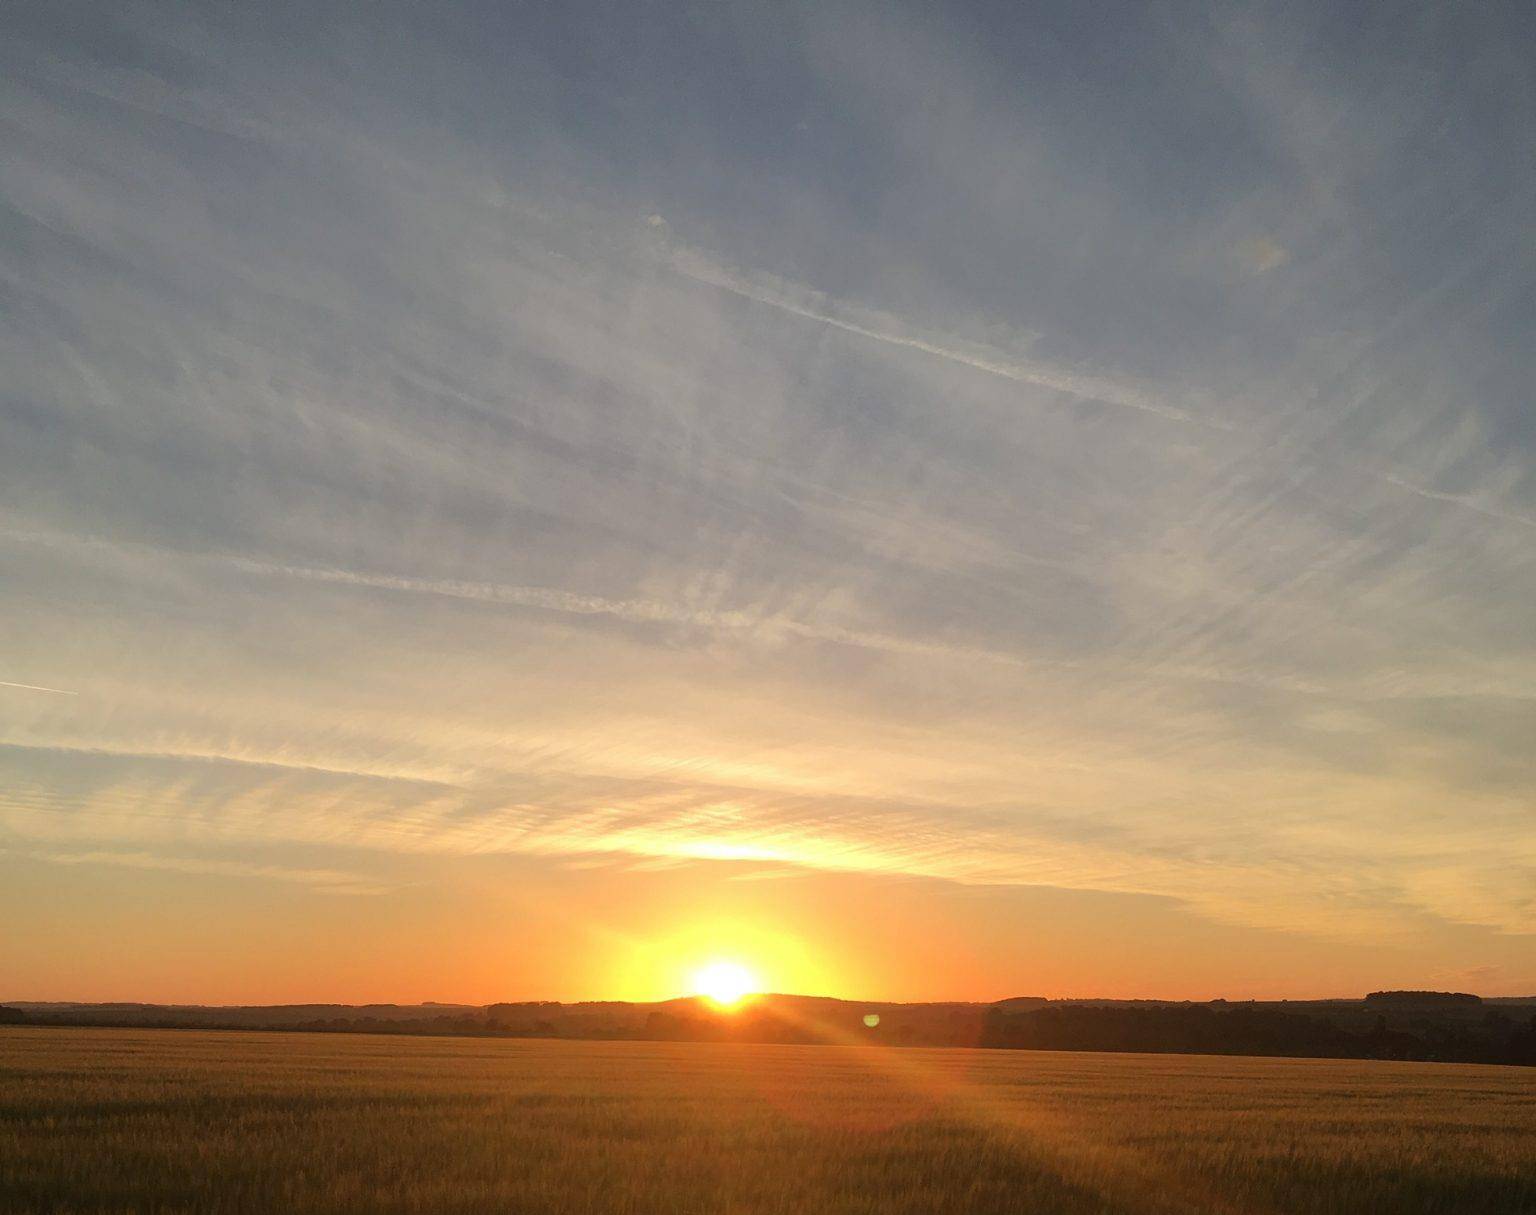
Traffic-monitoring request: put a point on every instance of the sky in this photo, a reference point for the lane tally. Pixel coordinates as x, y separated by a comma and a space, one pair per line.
507, 501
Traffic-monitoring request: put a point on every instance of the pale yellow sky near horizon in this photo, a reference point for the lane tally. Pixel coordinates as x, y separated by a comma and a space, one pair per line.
481, 930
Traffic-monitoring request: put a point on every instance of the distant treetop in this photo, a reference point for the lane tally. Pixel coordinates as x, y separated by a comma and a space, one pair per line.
1440, 998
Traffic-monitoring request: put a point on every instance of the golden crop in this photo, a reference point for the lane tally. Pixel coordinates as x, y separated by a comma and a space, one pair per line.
174, 1121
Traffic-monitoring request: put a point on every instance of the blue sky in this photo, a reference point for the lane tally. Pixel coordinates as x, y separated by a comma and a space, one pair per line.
1075, 451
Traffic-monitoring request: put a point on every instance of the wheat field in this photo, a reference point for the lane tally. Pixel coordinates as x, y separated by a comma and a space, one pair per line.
176, 1121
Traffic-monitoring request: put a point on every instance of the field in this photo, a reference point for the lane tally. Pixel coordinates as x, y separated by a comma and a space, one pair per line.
128, 1120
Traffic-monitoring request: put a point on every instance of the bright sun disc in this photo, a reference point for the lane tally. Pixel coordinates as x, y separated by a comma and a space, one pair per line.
725, 983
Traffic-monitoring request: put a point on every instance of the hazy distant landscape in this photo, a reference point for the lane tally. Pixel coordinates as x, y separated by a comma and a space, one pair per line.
95, 1120
1414, 1025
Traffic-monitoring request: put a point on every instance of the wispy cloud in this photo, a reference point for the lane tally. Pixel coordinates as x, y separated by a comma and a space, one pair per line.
1469, 501
329, 880
877, 326
756, 624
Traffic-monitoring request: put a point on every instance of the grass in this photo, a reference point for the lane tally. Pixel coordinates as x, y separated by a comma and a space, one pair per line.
182, 1121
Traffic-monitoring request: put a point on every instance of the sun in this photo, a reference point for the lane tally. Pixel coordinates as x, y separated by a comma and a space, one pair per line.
725, 984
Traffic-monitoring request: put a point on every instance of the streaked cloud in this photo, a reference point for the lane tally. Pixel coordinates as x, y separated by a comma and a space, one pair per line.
883, 327
31, 687
330, 880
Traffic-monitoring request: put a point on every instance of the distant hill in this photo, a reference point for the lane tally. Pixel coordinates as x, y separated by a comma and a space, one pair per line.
1449, 1026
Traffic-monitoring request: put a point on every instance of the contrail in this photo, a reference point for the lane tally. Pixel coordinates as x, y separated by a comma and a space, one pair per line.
639, 611
32, 687
811, 305
636, 610
1463, 500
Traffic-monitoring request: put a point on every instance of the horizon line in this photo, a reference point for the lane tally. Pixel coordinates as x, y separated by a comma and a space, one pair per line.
769, 995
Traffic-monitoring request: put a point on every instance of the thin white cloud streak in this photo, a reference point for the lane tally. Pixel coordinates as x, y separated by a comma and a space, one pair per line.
32, 687
1466, 501
755, 627
332, 881
882, 327
802, 301
758, 626
635, 611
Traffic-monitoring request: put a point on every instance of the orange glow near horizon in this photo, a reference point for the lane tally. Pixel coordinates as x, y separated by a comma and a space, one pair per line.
723, 959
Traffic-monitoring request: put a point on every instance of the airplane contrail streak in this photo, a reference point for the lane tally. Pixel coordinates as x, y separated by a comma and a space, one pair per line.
691, 264
32, 687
